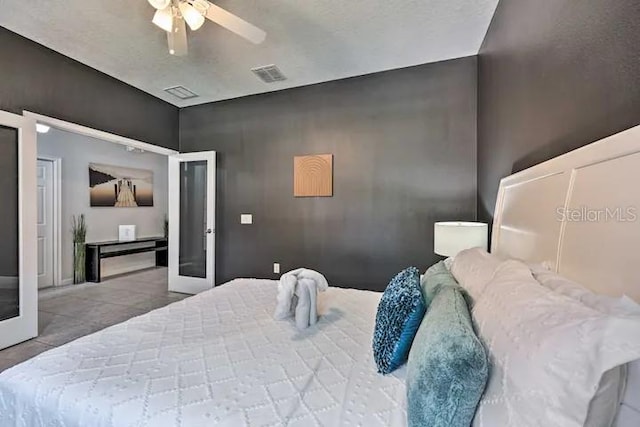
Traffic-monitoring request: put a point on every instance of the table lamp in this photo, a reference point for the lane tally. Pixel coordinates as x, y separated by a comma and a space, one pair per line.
451, 237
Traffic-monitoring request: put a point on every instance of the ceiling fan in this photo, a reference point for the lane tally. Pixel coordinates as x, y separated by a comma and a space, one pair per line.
173, 16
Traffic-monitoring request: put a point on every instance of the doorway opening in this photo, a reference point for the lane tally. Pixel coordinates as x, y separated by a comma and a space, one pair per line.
117, 185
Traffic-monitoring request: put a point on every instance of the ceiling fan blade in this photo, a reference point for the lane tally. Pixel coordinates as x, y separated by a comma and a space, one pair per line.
177, 39
234, 24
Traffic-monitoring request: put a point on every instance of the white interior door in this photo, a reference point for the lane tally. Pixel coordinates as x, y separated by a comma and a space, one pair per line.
45, 223
192, 204
18, 234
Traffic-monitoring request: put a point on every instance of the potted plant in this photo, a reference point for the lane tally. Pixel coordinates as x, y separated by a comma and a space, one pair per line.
166, 227
79, 231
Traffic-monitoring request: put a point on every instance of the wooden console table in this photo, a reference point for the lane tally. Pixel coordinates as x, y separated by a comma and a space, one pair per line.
96, 252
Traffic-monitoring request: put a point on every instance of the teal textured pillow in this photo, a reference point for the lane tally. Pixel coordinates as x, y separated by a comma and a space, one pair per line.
400, 312
448, 367
434, 278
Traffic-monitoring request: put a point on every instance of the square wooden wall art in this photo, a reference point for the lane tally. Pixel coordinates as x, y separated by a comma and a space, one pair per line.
313, 175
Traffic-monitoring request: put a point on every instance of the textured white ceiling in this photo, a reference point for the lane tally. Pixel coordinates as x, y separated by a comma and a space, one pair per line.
311, 41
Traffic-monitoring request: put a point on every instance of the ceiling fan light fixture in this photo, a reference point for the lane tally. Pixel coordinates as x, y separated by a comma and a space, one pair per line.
200, 5
191, 15
163, 18
160, 4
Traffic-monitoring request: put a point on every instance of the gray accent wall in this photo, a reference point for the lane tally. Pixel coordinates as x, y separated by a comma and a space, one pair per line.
404, 146
37, 79
553, 76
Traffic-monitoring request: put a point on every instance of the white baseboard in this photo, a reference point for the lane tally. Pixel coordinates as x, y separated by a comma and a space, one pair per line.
66, 282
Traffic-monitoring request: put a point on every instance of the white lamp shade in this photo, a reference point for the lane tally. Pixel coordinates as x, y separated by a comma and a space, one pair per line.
160, 4
192, 17
163, 18
449, 238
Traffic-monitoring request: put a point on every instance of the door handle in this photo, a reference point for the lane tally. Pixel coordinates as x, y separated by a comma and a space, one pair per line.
209, 231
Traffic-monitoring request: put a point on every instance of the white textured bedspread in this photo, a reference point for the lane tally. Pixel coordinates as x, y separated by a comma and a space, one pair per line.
218, 358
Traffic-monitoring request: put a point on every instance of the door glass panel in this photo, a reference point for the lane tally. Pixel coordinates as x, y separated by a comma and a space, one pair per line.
193, 219
9, 262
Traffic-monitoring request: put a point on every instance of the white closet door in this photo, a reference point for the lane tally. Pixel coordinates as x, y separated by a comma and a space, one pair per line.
45, 223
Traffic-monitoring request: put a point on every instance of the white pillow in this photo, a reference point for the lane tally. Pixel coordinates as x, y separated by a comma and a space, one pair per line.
612, 389
473, 269
606, 304
548, 352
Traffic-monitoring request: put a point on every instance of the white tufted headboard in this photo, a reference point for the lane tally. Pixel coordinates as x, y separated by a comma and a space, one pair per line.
580, 214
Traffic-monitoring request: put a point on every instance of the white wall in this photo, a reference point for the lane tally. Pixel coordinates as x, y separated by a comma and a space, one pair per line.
76, 152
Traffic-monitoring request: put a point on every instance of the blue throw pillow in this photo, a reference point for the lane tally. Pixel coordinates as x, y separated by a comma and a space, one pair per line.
400, 312
448, 366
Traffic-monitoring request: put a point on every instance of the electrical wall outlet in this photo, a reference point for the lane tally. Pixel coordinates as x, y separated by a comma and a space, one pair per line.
246, 219
276, 268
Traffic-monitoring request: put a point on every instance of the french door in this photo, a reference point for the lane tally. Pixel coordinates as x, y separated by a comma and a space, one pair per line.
18, 234
192, 204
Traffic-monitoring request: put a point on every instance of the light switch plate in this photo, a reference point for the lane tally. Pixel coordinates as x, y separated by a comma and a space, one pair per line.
276, 268
246, 219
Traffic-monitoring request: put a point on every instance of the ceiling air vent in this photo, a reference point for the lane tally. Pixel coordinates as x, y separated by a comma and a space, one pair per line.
181, 92
269, 74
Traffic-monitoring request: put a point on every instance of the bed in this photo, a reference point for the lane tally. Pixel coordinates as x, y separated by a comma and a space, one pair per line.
218, 358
